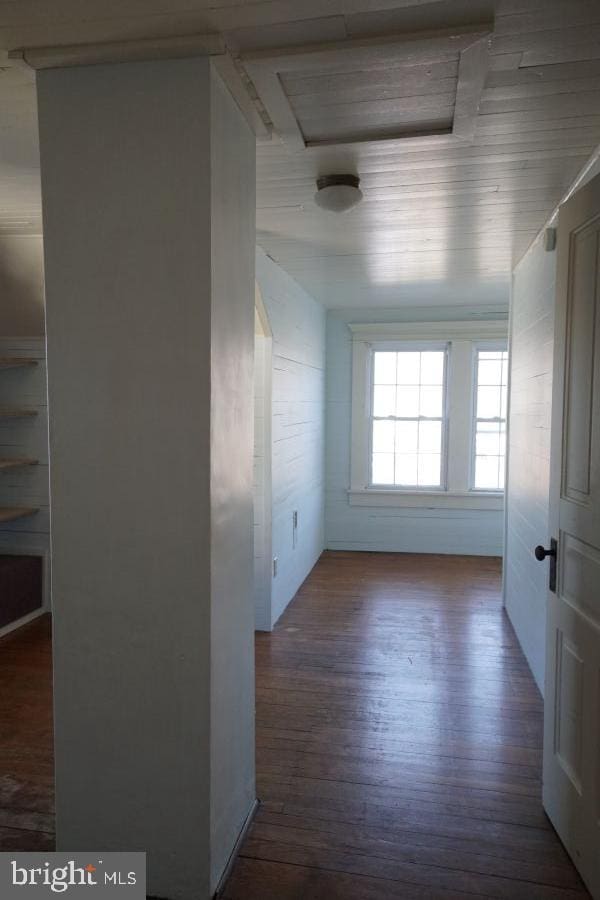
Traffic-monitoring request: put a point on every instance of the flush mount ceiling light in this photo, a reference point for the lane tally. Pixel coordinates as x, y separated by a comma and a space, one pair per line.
338, 193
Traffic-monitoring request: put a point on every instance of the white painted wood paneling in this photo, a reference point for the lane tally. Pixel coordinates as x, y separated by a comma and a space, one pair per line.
297, 323
527, 498
232, 709
405, 106
414, 530
21, 285
410, 240
543, 82
150, 348
262, 491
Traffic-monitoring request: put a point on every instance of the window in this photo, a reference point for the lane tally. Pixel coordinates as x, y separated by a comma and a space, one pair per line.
407, 420
491, 379
429, 414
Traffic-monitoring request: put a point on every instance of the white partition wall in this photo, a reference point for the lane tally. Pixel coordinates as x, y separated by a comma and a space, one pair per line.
263, 364
233, 206
148, 188
297, 324
527, 500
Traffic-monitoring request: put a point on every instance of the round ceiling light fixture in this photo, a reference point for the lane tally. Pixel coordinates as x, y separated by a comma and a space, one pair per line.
338, 193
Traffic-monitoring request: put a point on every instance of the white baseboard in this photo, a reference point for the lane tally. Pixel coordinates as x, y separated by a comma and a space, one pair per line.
234, 853
24, 620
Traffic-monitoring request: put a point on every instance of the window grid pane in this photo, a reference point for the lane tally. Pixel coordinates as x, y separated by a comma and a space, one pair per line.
409, 453
490, 419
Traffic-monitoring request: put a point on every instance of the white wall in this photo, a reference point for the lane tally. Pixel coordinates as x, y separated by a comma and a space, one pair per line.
233, 213
391, 529
527, 495
150, 348
262, 481
21, 285
261, 613
297, 324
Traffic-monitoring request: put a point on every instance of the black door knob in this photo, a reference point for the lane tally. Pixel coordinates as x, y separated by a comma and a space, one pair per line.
541, 553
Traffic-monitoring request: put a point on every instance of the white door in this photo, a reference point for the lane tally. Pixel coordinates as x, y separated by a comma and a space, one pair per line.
572, 693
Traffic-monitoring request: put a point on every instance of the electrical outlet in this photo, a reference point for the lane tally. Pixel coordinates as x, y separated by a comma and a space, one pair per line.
275, 567
294, 528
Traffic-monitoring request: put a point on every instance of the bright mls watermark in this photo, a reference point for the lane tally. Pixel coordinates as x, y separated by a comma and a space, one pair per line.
73, 875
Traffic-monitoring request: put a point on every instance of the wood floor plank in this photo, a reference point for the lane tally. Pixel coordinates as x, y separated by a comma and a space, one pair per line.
399, 742
430, 877
26, 739
255, 879
553, 868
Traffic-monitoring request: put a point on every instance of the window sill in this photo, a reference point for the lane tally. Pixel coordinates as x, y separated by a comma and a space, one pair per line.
427, 499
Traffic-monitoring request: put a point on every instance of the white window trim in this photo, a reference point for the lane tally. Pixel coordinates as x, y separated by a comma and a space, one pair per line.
463, 337
500, 346
443, 347
426, 499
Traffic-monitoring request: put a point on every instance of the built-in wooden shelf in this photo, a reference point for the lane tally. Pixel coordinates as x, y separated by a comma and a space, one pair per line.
13, 412
17, 362
12, 513
17, 413
16, 462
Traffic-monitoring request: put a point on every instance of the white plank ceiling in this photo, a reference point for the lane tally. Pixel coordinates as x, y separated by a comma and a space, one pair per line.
442, 221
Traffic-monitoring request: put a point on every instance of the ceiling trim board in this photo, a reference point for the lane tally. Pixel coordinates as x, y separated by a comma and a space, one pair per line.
472, 43
570, 53
119, 51
232, 78
472, 71
376, 138
478, 329
185, 46
375, 52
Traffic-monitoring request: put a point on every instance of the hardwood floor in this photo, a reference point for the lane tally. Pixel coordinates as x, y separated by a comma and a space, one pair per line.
26, 751
398, 742
399, 736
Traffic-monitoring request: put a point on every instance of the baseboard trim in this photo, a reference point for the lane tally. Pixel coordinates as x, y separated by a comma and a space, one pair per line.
234, 853
24, 620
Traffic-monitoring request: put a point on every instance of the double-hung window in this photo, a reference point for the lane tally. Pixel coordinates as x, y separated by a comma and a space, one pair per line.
489, 428
408, 417
429, 414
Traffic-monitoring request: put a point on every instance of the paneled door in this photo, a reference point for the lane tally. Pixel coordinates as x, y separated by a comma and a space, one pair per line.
572, 691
